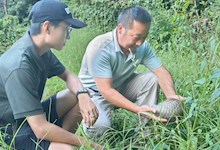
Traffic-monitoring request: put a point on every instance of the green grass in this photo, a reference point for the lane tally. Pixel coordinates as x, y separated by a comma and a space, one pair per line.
192, 69
199, 128
193, 60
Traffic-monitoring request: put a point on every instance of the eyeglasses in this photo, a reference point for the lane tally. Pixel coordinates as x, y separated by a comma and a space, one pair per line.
134, 62
67, 29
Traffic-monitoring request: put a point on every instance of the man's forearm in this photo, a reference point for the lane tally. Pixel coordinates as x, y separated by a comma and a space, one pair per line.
55, 133
165, 81
44, 130
115, 98
73, 83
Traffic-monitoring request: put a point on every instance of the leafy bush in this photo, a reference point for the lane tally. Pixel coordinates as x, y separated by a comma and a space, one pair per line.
170, 18
102, 13
10, 31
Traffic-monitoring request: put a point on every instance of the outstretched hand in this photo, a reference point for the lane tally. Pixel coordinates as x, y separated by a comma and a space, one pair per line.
149, 113
88, 109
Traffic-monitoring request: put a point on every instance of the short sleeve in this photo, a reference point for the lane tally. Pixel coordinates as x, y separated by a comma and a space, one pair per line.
99, 64
21, 88
54, 65
150, 60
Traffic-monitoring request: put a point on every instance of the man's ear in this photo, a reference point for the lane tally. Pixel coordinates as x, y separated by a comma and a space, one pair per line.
45, 28
119, 28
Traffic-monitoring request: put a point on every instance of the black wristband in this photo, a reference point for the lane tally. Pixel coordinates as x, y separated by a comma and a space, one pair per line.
81, 91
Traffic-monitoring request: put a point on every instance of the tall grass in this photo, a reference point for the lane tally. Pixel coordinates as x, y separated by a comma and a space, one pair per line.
194, 66
193, 60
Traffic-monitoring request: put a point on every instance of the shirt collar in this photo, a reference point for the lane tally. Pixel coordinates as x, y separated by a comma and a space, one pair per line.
117, 47
32, 48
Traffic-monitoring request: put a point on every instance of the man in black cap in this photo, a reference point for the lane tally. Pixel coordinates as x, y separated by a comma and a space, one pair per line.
25, 67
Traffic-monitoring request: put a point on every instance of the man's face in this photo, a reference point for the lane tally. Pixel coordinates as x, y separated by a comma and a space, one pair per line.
59, 35
134, 37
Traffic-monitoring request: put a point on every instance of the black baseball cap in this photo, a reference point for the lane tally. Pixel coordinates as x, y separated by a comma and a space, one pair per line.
53, 10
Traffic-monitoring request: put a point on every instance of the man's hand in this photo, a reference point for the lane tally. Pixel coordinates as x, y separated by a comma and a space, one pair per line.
88, 109
149, 113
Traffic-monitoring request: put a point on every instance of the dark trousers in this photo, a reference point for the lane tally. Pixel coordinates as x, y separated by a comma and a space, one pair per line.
25, 138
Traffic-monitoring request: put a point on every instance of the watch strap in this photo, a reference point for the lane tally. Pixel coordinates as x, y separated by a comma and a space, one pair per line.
81, 91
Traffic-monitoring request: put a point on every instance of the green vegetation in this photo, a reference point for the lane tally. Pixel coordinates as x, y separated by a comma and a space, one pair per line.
186, 39
10, 31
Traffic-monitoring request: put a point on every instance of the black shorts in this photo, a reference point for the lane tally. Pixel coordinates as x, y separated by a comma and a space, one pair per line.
25, 138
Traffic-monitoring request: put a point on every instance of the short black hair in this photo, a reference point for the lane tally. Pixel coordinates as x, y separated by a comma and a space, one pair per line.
134, 13
35, 27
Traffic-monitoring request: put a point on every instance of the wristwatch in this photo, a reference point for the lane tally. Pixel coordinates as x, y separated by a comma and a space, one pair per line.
81, 91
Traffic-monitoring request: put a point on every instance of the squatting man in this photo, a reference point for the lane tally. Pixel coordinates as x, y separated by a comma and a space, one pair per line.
108, 71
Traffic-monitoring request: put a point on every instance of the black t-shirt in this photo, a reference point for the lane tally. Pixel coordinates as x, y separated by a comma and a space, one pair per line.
23, 74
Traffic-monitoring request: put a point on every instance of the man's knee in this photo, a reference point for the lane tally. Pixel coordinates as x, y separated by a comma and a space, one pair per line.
101, 125
152, 78
65, 102
66, 95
